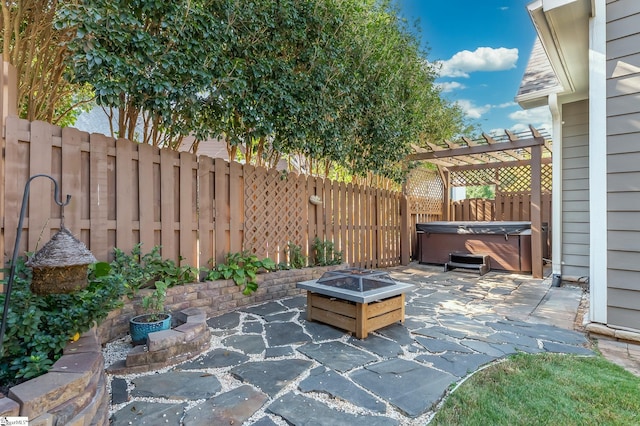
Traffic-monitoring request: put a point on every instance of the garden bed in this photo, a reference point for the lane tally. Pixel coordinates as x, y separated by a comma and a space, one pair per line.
213, 297
74, 391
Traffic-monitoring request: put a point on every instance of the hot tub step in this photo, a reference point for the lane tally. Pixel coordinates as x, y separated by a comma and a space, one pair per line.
479, 262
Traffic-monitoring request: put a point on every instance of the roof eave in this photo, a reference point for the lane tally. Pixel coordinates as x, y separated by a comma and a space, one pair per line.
562, 26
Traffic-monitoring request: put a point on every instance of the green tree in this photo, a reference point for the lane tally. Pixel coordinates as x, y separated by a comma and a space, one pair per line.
39, 53
337, 84
150, 63
484, 191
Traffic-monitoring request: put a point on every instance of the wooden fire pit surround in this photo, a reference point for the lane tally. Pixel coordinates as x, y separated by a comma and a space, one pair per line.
356, 300
74, 391
358, 318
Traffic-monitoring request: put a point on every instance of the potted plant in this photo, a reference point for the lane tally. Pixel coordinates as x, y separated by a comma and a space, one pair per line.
154, 318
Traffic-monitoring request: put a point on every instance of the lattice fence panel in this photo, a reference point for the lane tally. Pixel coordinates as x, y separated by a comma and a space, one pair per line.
473, 177
518, 179
509, 179
425, 191
274, 212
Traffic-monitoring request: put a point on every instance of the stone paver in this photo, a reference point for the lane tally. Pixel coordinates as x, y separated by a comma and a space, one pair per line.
148, 413
390, 380
270, 376
248, 343
230, 408
278, 367
300, 410
337, 355
177, 385
332, 383
217, 358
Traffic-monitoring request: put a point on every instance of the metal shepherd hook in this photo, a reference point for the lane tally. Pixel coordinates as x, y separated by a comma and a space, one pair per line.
14, 258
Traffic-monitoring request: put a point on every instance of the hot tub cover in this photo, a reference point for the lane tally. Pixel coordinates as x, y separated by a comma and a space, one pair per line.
497, 227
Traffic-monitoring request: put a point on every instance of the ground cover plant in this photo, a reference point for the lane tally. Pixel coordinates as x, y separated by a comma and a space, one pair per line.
324, 253
39, 327
143, 271
546, 389
242, 268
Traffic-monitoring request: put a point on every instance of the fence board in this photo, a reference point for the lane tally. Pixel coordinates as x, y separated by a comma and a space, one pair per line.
350, 230
221, 212
70, 182
187, 207
40, 191
236, 206
344, 219
146, 202
124, 179
312, 217
335, 214
205, 210
98, 237
15, 168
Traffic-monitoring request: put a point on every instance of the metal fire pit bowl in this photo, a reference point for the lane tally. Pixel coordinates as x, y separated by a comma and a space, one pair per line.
356, 285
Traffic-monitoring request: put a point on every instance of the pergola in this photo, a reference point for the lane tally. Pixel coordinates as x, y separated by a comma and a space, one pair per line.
498, 152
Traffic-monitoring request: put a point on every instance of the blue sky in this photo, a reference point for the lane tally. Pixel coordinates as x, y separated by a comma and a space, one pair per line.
483, 47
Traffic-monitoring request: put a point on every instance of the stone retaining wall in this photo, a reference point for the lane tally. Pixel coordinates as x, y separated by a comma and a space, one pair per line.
74, 391
212, 297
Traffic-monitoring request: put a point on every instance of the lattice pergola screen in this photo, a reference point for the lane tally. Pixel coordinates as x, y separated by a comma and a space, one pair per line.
272, 211
508, 179
425, 191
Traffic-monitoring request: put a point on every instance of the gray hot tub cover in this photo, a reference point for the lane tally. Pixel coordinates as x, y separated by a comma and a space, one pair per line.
497, 227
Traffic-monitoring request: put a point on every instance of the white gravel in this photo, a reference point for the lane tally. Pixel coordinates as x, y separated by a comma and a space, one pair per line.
118, 350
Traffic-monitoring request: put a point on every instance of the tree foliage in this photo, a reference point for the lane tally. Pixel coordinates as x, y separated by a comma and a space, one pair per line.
39, 53
334, 82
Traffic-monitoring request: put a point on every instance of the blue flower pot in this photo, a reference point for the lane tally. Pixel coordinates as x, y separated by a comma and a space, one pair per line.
140, 326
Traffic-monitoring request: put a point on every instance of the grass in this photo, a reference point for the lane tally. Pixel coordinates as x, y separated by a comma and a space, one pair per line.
546, 389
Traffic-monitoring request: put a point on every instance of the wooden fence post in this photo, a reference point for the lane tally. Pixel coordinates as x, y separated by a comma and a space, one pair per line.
405, 229
8, 106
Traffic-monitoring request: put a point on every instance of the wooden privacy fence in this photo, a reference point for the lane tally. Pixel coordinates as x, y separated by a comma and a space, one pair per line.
196, 208
506, 206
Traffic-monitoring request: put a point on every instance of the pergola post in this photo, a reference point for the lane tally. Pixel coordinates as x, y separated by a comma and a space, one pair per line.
446, 198
536, 211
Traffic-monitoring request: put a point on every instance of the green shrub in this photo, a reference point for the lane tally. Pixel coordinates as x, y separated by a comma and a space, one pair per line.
297, 260
242, 268
325, 254
142, 271
39, 327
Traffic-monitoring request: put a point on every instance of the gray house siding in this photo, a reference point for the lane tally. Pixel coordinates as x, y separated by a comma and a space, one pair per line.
575, 189
623, 163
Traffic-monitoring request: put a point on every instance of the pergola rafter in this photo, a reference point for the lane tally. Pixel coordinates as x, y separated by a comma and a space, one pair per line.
493, 152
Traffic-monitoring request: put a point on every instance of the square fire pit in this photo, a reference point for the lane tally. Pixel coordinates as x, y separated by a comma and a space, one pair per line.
356, 300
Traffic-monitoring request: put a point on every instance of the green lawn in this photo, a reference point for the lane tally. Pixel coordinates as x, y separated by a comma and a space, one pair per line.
546, 389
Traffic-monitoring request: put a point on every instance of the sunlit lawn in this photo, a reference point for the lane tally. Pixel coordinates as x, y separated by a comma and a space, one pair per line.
546, 389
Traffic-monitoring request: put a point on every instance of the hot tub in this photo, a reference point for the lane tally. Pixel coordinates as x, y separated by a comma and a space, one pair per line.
507, 243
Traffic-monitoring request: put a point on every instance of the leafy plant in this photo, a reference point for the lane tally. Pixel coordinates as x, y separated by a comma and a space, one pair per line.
39, 327
325, 254
144, 271
153, 303
242, 268
297, 260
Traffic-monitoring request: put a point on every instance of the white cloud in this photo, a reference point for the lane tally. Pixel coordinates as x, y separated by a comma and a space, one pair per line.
506, 105
450, 86
471, 110
482, 59
540, 118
